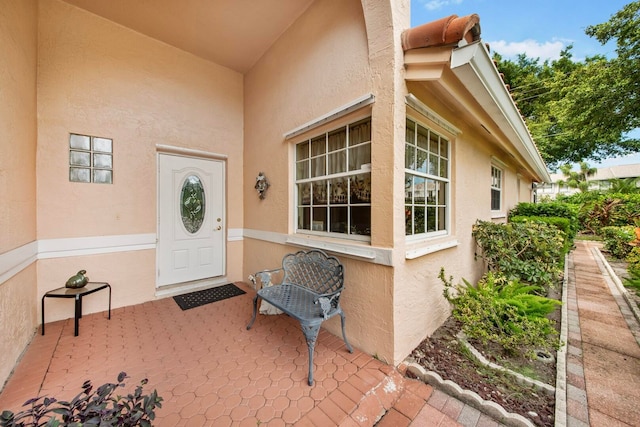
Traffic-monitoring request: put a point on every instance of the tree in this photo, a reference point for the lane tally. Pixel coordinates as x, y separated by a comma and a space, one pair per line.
625, 185
580, 179
583, 110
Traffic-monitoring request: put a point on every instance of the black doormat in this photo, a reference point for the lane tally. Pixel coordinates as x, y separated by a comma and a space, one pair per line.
198, 298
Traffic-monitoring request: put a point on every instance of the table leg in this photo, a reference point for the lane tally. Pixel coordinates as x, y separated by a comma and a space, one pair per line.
78, 314
43, 315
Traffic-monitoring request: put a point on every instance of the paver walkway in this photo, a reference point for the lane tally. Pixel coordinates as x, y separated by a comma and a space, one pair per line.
603, 355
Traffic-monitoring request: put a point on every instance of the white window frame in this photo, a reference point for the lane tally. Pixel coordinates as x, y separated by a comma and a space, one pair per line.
353, 231
443, 203
497, 185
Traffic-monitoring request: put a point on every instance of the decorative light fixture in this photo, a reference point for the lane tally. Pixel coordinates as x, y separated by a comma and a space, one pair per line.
261, 185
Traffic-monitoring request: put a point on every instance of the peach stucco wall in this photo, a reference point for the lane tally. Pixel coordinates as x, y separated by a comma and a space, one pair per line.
18, 38
419, 306
335, 52
98, 78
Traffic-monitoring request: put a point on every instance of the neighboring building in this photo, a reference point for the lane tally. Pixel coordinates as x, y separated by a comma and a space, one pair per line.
132, 134
600, 181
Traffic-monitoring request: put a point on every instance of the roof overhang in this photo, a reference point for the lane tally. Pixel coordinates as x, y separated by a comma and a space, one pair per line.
478, 77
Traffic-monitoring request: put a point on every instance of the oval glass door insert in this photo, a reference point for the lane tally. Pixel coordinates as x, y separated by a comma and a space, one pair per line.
192, 204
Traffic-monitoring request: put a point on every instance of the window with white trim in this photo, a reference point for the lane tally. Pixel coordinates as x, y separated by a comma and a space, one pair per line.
496, 189
426, 189
333, 182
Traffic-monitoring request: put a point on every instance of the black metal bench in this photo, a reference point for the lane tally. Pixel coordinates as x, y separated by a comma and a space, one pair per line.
309, 292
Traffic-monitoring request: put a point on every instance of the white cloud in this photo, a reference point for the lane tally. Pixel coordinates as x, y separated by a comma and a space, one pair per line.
439, 4
532, 48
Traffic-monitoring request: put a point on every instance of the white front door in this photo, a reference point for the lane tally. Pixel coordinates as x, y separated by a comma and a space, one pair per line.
191, 226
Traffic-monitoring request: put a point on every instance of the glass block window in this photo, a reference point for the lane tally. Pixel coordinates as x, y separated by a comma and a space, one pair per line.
333, 182
426, 189
90, 159
496, 189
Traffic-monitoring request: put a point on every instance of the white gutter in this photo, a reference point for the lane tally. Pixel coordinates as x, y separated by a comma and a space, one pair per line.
472, 64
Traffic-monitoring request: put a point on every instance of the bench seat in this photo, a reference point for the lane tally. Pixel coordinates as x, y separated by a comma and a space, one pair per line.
309, 292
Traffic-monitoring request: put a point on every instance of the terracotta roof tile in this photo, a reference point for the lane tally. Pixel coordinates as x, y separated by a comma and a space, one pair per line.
445, 31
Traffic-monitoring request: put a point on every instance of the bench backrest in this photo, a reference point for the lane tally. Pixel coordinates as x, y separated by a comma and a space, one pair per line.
314, 270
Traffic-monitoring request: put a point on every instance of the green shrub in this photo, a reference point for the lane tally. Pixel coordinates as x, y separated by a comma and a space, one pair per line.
502, 311
89, 408
552, 209
597, 210
616, 240
633, 259
531, 252
562, 224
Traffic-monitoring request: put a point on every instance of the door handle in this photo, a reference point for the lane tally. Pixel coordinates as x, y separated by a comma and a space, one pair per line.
219, 228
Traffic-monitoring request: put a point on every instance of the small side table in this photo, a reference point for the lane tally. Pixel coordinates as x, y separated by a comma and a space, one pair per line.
76, 293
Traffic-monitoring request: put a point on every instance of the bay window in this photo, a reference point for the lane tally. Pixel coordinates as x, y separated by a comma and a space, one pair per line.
333, 182
426, 188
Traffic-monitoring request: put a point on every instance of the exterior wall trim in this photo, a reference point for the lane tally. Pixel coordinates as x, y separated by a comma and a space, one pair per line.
354, 105
374, 255
426, 250
16, 260
61, 248
234, 234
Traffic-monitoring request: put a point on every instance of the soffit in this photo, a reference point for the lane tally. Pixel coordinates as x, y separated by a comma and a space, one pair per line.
231, 33
467, 79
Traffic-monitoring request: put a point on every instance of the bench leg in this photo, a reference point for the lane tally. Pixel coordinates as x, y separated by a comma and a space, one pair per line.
311, 334
255, 310
344, 335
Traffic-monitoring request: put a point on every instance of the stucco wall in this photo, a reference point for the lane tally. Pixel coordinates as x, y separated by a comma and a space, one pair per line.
18, 38
419, 306
322, 62
98, 78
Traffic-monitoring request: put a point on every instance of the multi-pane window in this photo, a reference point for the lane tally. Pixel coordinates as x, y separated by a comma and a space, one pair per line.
426, 187
496, 189
333, 181
90, 159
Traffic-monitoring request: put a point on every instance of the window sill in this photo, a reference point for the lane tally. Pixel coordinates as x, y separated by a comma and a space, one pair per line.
342, 248
498, 215
429, 249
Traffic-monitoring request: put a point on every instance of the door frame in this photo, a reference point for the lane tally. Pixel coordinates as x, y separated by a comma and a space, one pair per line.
180, 288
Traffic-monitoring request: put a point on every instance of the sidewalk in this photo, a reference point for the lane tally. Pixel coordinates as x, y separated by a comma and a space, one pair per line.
603, 353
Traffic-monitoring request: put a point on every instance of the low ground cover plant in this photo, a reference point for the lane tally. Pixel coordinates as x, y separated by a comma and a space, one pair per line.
503, 311
91, 407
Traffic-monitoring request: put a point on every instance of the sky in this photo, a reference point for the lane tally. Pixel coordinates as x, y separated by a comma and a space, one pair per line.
540, 29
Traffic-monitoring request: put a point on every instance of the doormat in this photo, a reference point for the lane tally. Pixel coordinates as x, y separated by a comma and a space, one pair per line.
206, 296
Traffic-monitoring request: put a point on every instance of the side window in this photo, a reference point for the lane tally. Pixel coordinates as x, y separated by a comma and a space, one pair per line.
333, 182
426, 190
496, 189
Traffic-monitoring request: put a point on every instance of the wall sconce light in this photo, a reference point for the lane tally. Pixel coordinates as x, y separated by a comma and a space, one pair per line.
261, 185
